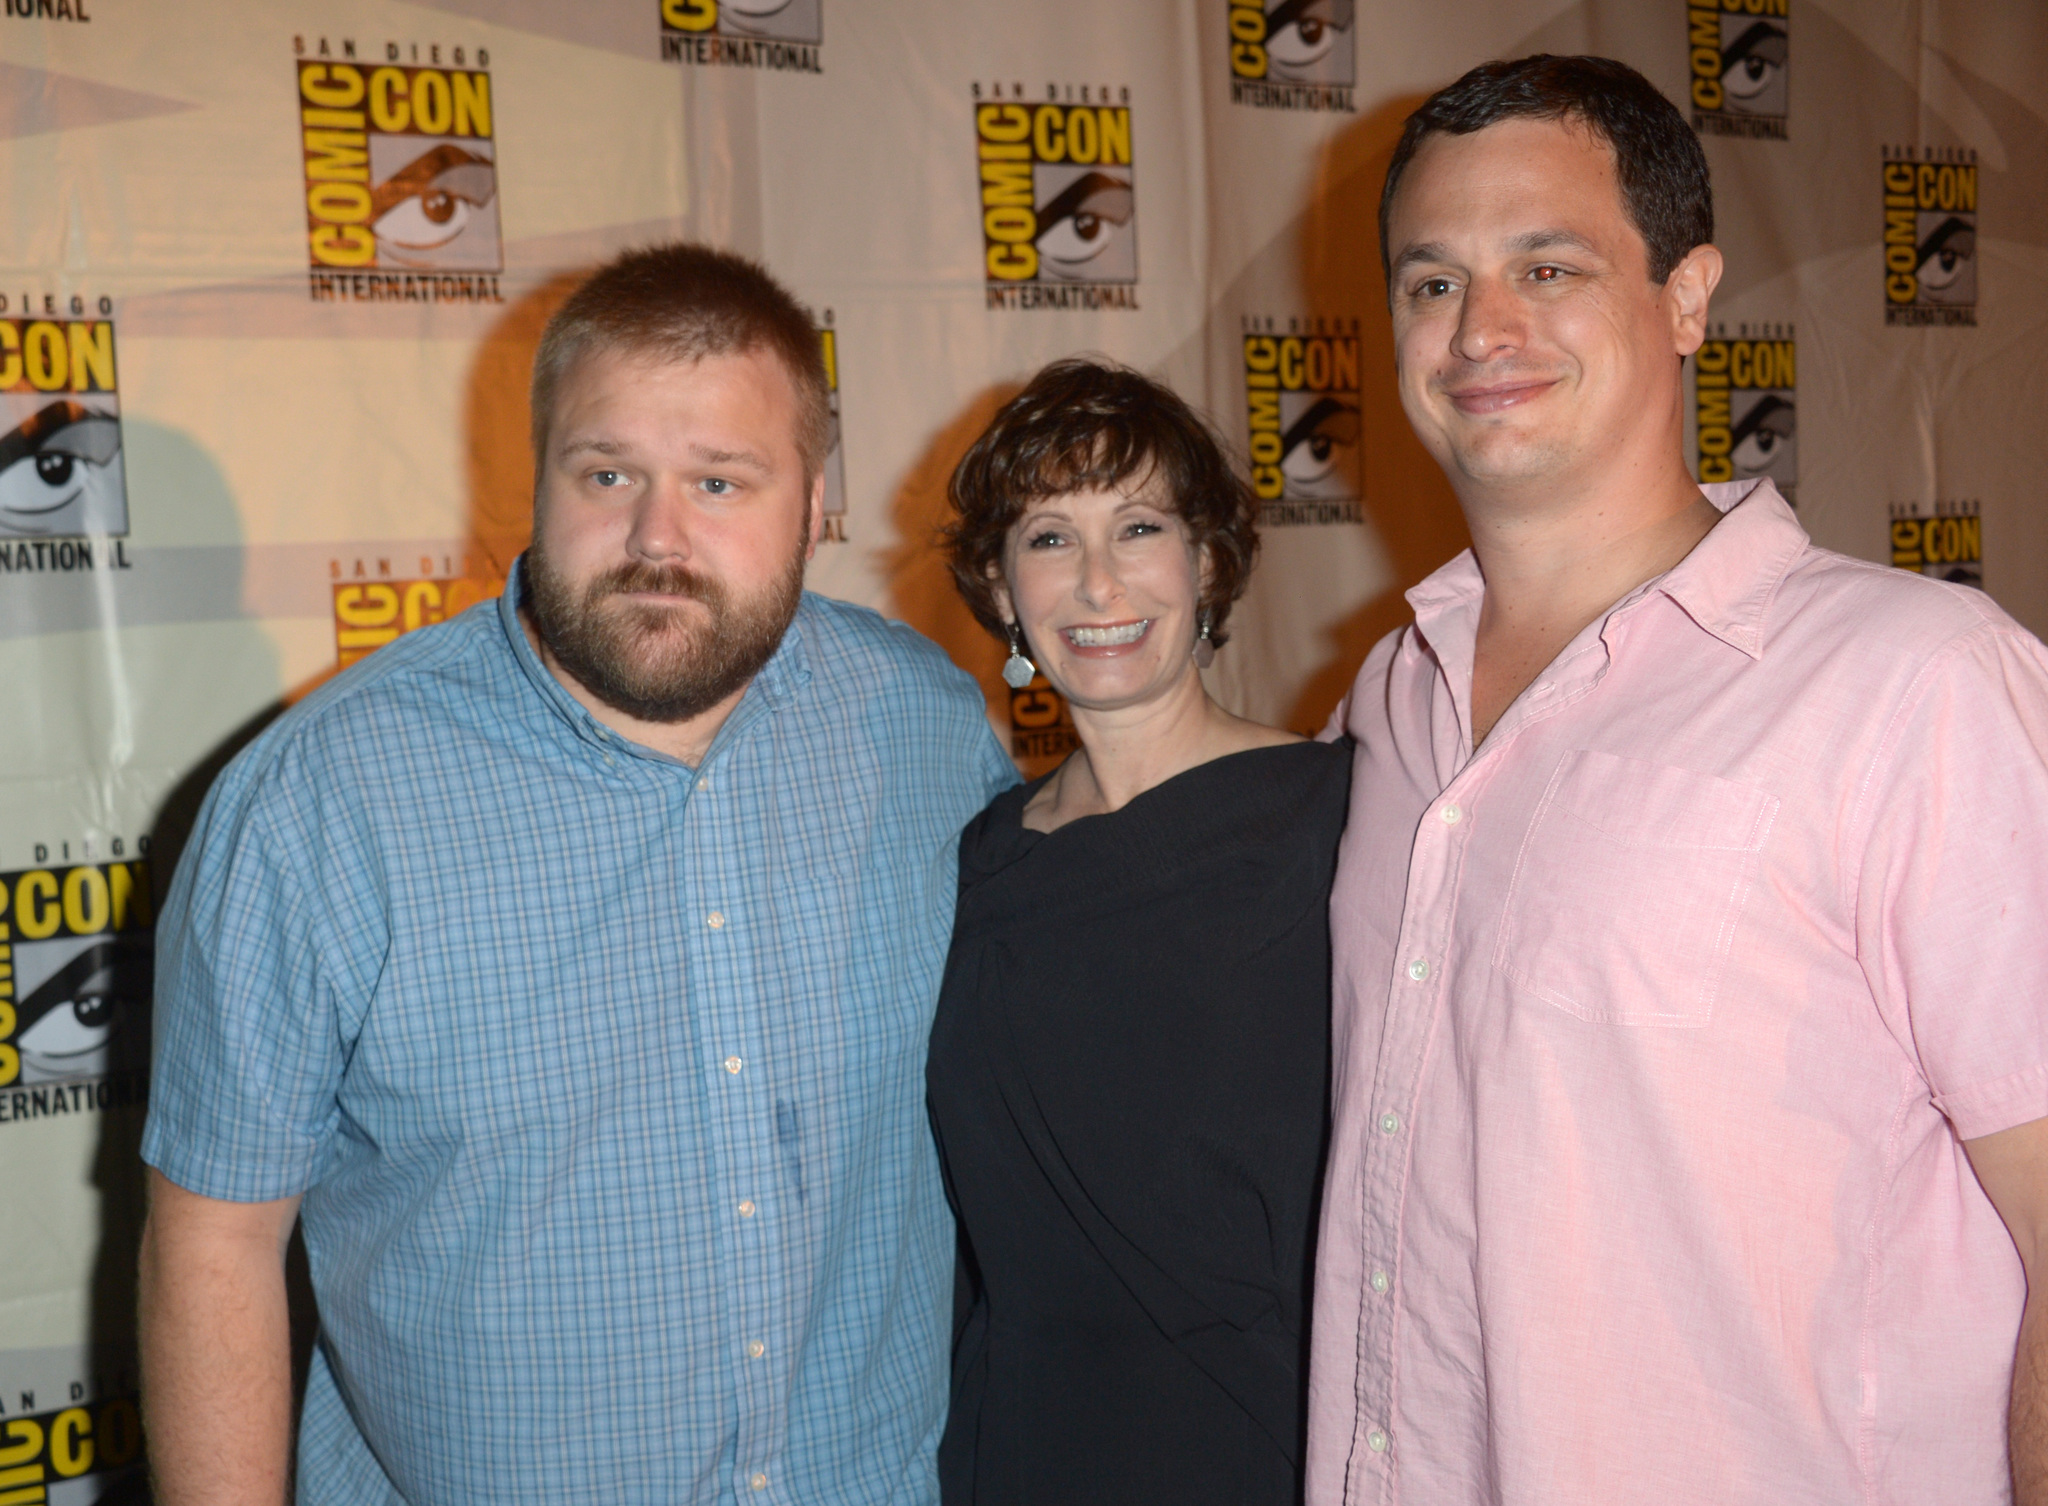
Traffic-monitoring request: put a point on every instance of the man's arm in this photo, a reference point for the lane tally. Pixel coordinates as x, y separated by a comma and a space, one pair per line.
2012, 1165
216, 1348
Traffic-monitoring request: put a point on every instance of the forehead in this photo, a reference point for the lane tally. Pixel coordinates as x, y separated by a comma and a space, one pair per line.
618, 383
1508, 177
1148, 491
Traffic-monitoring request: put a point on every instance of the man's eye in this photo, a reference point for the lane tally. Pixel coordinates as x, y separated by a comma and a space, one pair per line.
1547, 274
1434, 287
608, 478
718, 486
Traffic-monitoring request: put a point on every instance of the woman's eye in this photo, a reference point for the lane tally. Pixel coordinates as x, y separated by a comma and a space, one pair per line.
1045, 540
1138, 530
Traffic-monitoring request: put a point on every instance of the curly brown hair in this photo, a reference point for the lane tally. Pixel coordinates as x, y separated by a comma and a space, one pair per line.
1092, 425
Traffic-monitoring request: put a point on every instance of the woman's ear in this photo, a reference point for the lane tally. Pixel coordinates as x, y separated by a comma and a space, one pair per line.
1001, 594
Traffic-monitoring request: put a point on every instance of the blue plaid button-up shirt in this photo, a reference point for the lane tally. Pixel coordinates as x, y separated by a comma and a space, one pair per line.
602, 1077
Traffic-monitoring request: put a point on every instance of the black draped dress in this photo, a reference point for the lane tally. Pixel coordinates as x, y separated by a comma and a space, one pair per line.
1129, 1077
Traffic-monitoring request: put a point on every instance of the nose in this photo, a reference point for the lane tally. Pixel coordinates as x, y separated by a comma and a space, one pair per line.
660, 530
1490, 322
1099, 586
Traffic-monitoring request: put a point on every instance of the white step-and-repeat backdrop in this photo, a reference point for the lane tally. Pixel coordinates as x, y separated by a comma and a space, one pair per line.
271, 275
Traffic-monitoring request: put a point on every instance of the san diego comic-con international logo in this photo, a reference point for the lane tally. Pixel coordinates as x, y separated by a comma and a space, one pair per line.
70, 1427
1930, 235
378, 599
1747, 408
1059, 212
1740, 52
1293, 54
75, 976
63, 489
1945, 540
1303, 419
401, 168
783, 35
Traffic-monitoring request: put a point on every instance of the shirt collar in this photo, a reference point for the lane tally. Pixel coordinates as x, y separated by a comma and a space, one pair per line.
1725, 585
780, 679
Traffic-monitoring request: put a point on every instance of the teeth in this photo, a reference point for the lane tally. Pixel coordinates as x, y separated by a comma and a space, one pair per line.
1087, 637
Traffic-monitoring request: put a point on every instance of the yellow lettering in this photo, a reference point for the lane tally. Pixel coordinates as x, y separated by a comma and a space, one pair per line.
433, 106
472, 103
1247, 60
337, 157
1006, 183
1290, 364
1345, 377
27, 1436
92, 356
337, 85
71, 1442
1115, 125
1084, 142
86, 907
1002, 123
46, 357
690, 15
390, 100
10, 354
1013, 262
1048, 133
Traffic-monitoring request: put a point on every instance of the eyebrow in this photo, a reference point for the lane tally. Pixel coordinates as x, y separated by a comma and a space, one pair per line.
592, 446
711, 456
1528, 242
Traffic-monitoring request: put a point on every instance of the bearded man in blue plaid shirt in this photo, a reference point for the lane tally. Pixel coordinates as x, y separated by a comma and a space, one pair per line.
565, 970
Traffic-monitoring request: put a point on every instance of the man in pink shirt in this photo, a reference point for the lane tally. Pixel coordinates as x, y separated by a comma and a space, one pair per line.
1691, 1090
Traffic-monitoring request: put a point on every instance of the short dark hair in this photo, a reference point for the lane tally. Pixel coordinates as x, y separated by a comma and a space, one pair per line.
682, 302
1086, 425
1658, 161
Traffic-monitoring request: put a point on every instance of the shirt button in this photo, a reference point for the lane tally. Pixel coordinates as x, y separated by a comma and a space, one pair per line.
1379, 1281
1376, 1440
733, 1065
1418, 969
759, 1482
1452, 815
714, 920
703, 784
1390, 1124
747, 1208
757, 1349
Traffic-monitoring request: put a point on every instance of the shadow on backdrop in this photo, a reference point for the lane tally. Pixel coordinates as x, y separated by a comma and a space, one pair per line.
1410, 504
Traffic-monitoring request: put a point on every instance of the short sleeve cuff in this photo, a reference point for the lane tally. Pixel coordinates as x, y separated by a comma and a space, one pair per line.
182, 1159
2005, 1103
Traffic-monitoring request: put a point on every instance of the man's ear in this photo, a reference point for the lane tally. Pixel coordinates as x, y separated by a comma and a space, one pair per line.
1688, 294
816, 524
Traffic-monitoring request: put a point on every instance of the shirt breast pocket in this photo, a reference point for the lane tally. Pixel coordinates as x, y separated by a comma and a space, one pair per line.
1626, 894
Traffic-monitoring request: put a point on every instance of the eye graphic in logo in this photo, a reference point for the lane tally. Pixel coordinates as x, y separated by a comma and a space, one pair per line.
1947, 259
1753, 80
1317, 446
429, 202
76, 1021
1084, 224
60, 474
1302, 41
1766, 440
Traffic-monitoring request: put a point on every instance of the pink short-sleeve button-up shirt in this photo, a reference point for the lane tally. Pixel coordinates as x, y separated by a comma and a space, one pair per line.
1660, 1020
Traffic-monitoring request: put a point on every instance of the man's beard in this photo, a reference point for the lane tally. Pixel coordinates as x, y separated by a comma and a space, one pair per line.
659, 664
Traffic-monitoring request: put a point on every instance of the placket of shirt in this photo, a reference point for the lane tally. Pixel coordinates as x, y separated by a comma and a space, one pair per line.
723, 880
1423, 967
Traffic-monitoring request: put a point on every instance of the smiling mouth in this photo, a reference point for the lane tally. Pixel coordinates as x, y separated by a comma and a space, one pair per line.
1115, 636
1498, 398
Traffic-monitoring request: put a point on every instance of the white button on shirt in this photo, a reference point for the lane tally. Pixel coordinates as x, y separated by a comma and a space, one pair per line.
714, 920
1390, 1124
1452, 815
1418, 970
733, 1065
1379, 1281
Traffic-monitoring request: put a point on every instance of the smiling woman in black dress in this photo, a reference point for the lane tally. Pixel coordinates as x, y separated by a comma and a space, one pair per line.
1129, 1067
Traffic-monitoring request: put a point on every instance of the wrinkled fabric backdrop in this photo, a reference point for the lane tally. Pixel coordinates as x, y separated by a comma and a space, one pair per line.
273, 275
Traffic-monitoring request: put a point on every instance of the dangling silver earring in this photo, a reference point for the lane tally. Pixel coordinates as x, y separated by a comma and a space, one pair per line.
1018, 671
1205, 651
